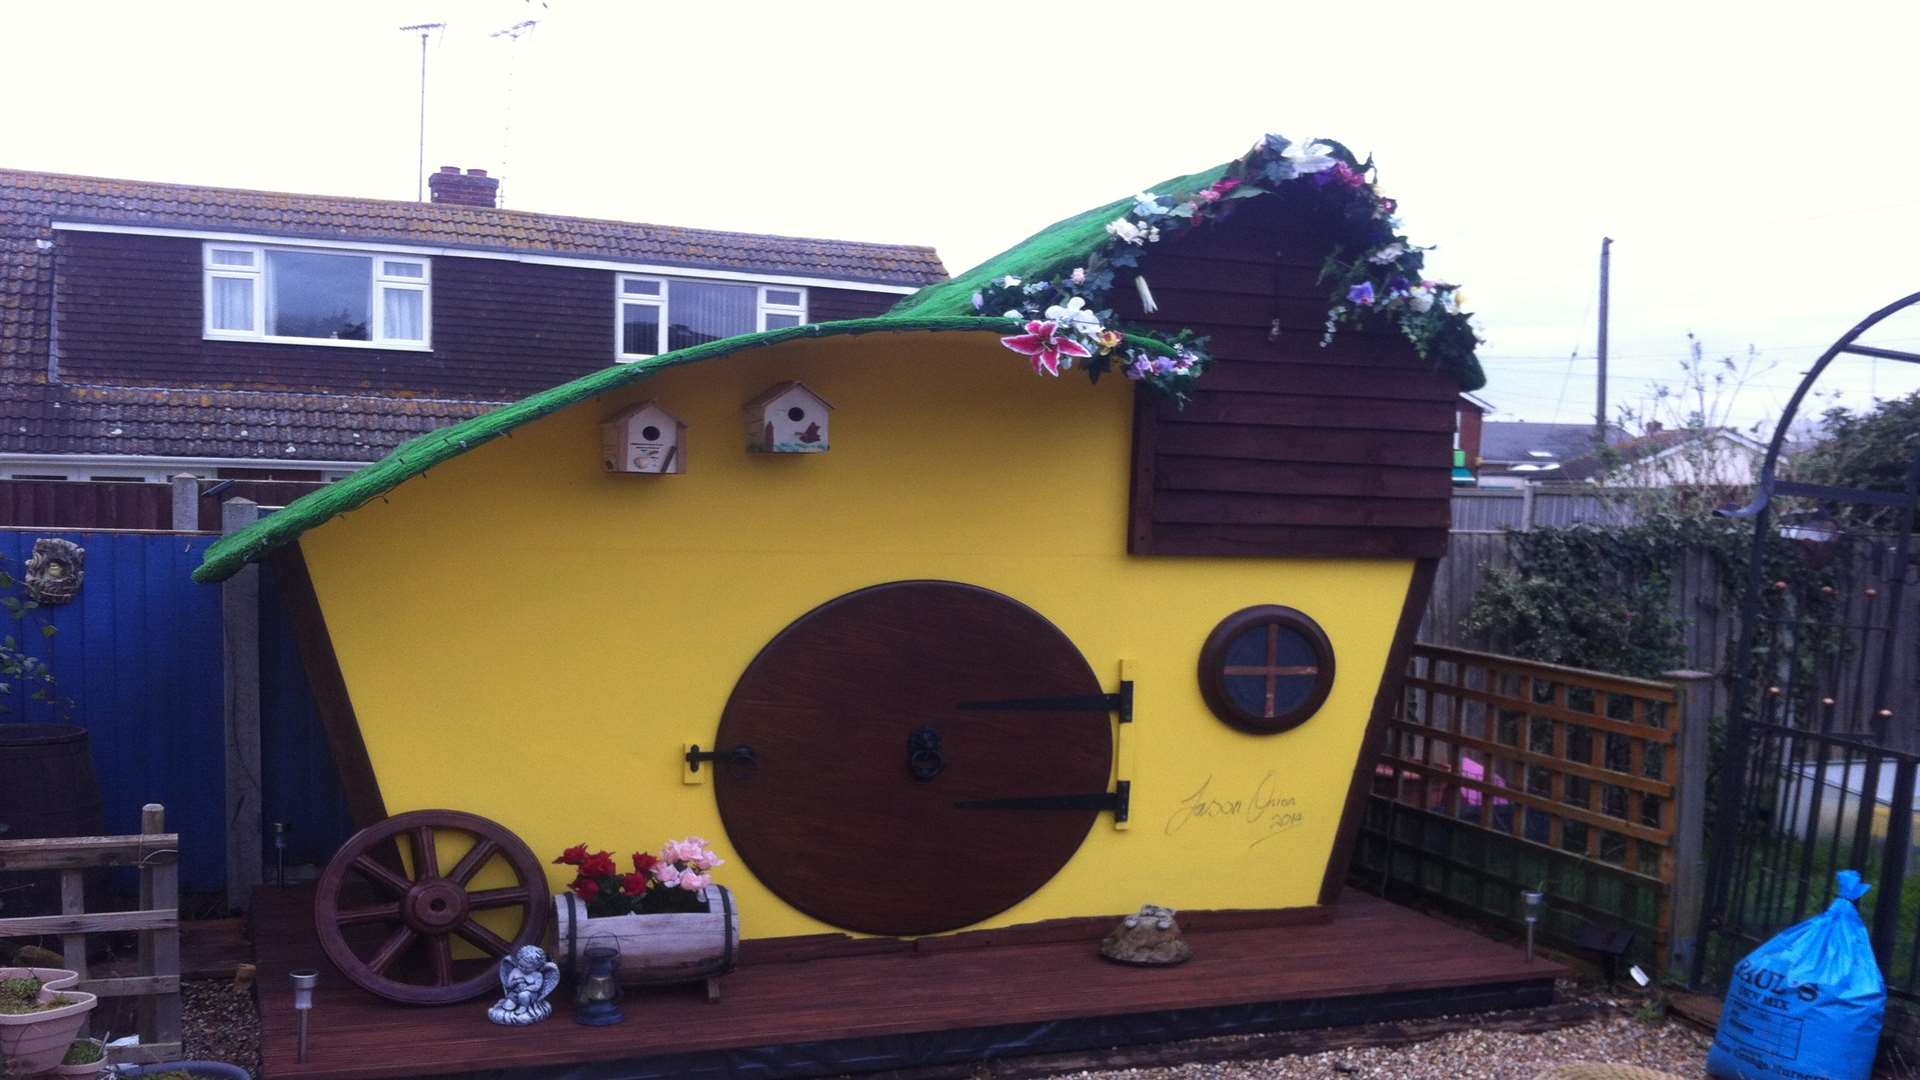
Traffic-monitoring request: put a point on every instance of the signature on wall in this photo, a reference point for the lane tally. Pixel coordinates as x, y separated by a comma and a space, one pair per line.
1264, 809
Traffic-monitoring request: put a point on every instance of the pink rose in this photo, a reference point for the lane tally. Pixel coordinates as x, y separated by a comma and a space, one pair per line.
693, 882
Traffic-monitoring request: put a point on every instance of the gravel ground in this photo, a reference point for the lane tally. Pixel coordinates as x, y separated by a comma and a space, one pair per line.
1669, 1046
220, 1023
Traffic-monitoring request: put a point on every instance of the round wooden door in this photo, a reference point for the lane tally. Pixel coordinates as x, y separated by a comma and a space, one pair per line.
872, 726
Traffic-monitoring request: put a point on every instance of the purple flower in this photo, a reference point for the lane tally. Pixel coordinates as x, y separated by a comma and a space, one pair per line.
1398, 283
1139, 369
1162, 366
1362, 293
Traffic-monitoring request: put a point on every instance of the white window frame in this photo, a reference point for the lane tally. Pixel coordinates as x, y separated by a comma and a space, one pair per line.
763, 307
379, 283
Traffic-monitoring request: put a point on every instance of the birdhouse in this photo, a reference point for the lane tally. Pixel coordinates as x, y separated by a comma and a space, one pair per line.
644, 439
788, 419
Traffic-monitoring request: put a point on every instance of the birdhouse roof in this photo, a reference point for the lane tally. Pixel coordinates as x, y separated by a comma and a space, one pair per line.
777, 389
939, 308
635, 410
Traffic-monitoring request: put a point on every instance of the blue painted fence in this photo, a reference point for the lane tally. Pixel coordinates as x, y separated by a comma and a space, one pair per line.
137, 656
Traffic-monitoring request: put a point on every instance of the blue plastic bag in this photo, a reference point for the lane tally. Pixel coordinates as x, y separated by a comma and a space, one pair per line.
1808, 1003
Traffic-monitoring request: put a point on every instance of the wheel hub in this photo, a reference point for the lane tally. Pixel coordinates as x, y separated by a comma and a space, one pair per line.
435, 906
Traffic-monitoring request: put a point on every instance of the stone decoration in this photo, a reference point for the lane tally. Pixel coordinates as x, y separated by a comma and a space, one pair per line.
1149, 939
527, 978
54, 571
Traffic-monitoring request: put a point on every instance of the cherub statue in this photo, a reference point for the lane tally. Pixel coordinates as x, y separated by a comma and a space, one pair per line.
527, 978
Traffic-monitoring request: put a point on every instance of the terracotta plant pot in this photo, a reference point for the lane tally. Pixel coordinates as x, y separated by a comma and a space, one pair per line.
83, 1072
34, 1042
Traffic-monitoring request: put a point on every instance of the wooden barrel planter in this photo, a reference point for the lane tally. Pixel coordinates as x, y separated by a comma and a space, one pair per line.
655, 950
48, 788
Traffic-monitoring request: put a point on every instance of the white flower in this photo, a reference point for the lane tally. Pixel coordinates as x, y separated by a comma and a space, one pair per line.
1073, 315
1387, 254
1015, 315
1147, 204
1309, 157
1010, 281
1420, 298
1450, 302
1124, 230
1079, 275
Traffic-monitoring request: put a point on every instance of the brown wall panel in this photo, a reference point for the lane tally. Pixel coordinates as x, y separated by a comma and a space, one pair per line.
1286, 447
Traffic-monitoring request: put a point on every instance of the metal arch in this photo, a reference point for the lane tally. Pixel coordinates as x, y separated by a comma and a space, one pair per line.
1740, 719
1764, 494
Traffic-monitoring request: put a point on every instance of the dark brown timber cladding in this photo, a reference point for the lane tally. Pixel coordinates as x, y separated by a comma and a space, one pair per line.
1286, 448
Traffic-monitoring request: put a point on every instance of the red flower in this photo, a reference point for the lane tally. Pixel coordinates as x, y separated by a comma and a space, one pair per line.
599, 865
573, 856
585, 888
1223, 187
644, 863
636, 884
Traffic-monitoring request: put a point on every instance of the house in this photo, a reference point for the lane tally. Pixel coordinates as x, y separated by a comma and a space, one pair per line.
968, 649
1709, 459
1469, 414
149, 329
1518, 452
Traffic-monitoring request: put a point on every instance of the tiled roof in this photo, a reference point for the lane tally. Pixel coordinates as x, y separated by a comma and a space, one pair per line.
163, 422
44, 417
54, 196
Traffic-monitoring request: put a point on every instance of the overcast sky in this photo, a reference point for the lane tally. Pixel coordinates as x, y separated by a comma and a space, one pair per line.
1760, 173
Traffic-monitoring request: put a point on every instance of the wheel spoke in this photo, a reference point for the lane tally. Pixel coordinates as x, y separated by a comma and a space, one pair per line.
470, 863
380, 875
484, 938
391, 949
493, 898
426, 854
378, 913
440, 951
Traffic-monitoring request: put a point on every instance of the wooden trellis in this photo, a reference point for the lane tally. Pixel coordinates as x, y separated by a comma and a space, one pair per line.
1577, 773
156, 854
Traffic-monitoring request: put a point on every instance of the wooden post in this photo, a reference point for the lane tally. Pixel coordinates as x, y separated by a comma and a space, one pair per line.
186, 503
159, 949
240, 621
1688, 851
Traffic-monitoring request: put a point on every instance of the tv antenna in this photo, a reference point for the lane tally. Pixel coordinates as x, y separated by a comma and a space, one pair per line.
513, 34
420, 167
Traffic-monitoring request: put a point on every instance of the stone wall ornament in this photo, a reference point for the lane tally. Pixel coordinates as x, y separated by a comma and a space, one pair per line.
55, 570
1149, 939
527, 978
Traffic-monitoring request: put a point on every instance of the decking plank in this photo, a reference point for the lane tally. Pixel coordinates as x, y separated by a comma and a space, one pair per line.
359, 1037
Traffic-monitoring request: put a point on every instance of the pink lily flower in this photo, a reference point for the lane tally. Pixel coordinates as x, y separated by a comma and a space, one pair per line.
1043, 342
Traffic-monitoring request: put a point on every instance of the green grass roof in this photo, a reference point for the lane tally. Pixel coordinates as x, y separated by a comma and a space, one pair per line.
226, 556
946, 306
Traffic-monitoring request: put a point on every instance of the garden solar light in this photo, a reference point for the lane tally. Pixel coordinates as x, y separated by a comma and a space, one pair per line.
303, 983
1535, 902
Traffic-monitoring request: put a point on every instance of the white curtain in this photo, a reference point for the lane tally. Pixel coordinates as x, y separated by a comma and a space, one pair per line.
232, 303
405, 314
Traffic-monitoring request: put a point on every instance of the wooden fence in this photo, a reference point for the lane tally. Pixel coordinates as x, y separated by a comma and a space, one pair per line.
156, 979
1500, 775
188, 504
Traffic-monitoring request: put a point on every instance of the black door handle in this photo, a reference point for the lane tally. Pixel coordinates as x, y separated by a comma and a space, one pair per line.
924, 759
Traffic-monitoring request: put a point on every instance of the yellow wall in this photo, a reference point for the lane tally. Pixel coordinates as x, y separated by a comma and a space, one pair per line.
531, 640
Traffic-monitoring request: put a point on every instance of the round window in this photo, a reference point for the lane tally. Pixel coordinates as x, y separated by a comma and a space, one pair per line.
1266, 669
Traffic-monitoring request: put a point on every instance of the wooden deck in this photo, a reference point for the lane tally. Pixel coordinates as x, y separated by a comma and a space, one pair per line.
902, 1007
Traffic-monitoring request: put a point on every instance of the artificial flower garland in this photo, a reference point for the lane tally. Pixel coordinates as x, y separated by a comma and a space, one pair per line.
1068, 320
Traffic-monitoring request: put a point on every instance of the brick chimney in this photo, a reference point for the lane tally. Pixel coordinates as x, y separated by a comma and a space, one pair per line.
474, 188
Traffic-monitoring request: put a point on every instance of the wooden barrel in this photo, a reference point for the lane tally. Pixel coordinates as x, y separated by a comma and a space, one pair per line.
654, 949
47, 788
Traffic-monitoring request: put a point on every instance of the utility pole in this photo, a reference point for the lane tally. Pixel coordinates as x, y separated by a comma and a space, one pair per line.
1600, 406
420, 166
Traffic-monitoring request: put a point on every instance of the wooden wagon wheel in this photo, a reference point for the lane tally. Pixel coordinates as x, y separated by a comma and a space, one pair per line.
413, 961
